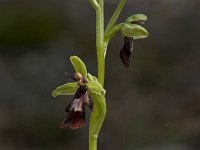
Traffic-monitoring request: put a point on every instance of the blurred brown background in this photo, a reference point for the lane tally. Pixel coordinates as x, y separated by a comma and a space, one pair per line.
153, 105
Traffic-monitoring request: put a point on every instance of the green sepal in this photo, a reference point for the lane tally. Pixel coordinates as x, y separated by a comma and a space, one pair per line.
95, 87
136, 18
92, 78
79, 65
66, 89
134, 30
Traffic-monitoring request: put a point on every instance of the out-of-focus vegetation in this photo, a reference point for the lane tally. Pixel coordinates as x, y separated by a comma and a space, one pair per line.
155, 104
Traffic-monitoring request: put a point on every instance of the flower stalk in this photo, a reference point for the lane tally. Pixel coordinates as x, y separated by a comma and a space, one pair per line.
85, 84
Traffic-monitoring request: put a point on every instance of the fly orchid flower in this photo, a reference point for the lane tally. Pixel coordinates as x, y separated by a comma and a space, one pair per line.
76, 108
131, 30
84, 85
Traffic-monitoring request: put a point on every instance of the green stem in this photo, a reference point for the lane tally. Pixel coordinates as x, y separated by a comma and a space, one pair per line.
99, 112
93, 142
94, 4
115, 16
100, 42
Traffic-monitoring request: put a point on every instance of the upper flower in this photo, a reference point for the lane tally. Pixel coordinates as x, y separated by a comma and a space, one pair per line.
131, 30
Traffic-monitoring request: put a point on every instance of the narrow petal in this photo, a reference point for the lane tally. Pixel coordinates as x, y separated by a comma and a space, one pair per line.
69, 75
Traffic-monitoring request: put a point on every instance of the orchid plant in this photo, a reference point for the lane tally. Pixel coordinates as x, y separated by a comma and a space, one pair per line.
86, 88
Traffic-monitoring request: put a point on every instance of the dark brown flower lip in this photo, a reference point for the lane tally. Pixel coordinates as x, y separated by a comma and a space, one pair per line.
126, 51
76, 109
125, 57
74, 120
128, 43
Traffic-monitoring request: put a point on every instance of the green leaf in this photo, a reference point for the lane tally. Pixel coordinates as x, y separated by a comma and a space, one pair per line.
66, 89
95, 87
134, 30
79, 65
136, 18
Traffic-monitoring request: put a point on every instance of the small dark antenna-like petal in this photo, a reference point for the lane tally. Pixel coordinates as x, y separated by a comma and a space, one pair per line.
79, 78
69, 75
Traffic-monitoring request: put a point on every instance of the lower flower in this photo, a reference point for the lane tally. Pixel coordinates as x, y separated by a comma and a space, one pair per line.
76, 109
